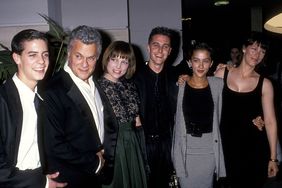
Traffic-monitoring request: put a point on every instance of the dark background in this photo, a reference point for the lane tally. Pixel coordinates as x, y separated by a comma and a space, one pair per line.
225, 26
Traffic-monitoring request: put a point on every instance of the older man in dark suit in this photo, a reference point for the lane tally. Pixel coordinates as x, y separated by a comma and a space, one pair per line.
75, 115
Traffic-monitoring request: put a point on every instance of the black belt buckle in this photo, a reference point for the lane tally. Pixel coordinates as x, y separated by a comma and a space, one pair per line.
196, 131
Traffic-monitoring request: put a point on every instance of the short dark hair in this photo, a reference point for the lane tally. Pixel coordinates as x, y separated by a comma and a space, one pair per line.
256, 37
23, 36
87, 35
160, 31
202, 46
123, 50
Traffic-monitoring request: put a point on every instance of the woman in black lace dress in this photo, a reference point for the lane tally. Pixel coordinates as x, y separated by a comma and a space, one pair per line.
119, 65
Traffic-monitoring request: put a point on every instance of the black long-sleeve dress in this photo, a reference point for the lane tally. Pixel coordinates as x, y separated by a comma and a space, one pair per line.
129, 168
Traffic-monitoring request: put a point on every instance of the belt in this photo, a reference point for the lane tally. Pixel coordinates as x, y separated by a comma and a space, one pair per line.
196, 129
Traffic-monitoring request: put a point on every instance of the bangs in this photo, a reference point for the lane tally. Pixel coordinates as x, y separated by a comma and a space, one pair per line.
121, 55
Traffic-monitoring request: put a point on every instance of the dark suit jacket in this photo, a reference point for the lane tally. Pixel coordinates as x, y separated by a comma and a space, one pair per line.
11, 116
70, 135
141, 79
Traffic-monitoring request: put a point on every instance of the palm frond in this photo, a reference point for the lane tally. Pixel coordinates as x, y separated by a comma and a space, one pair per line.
4, 47
55, 29
5, 56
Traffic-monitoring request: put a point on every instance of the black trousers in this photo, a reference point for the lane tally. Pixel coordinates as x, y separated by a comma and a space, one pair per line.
159, 159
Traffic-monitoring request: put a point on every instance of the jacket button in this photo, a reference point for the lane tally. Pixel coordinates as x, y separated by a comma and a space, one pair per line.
215, 141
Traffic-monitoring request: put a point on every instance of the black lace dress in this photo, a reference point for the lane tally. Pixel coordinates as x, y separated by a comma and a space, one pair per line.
129, 171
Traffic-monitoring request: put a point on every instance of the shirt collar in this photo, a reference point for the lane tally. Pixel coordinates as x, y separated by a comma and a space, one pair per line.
24, 90
77, 80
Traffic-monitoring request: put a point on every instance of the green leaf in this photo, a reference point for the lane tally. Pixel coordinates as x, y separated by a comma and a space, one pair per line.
55, 29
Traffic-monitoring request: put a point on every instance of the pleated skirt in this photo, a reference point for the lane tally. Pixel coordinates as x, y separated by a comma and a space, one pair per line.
129, 170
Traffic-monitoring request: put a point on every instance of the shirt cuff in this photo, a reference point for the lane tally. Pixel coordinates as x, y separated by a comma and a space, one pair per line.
99, 166
47, 183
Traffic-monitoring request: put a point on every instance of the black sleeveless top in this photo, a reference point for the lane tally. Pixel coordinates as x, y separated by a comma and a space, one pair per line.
198, 109
246, 149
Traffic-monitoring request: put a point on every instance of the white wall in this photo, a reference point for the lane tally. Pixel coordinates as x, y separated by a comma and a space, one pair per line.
22, 12
109, 15
55, 10
16, 15
147, 14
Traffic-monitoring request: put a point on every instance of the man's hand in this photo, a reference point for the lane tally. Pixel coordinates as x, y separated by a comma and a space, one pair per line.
259, 123
52, 183
101, 158
221, 66
182, 79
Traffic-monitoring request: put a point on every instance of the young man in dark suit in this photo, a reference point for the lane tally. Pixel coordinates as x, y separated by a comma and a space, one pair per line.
20, 146
157, 91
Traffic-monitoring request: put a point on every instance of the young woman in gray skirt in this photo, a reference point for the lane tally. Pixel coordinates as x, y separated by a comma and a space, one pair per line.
196, 150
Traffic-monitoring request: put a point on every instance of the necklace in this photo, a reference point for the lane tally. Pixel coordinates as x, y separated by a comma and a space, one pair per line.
199, 84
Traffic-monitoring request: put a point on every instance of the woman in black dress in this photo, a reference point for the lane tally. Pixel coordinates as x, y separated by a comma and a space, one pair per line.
250, 153
119, 65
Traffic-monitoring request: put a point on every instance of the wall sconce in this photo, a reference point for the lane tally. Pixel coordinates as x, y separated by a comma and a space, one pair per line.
274, 24
221, 2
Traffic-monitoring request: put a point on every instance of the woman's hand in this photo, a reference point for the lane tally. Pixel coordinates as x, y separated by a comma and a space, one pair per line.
138, 121
272, 168
258, 121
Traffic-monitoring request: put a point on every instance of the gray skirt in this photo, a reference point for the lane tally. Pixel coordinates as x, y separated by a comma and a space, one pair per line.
200, 162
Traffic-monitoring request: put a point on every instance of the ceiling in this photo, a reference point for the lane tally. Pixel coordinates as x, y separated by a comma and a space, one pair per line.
191, 7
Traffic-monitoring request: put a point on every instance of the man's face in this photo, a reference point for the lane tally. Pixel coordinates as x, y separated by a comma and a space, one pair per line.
32, 62
159, 49
82, 59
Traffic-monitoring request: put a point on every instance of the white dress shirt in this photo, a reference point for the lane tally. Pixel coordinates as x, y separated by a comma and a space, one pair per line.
93, 99
28, 154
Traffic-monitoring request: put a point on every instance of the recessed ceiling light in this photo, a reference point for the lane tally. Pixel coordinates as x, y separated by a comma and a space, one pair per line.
221, 2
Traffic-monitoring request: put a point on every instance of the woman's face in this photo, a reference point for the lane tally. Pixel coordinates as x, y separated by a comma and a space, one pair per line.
200, 62
253, 54
116, 68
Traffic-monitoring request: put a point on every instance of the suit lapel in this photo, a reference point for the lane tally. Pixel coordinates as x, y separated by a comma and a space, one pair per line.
82, 105
16, 112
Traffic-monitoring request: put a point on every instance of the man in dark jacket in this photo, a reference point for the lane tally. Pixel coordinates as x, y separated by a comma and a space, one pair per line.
20, 146
157, 95
76, 141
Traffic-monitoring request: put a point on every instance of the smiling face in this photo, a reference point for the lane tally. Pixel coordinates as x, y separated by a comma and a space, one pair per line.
253, 54
159, 49
200, 62
32, 62
116, 68
82, 59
